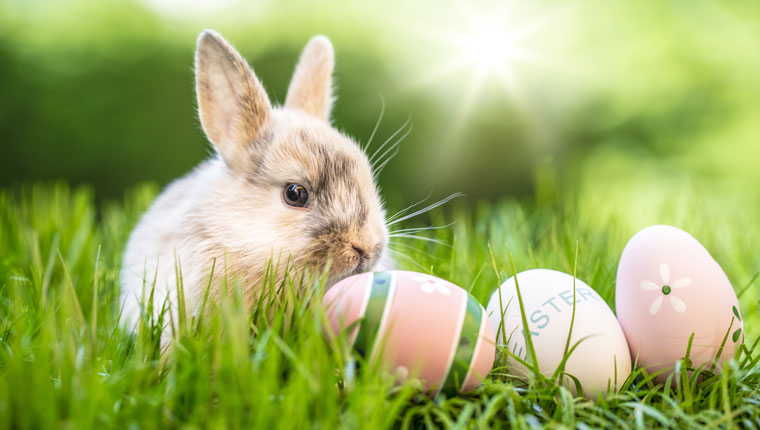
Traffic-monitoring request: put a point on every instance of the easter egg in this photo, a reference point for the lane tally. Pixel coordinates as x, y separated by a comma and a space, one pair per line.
601, 360
668, 289
417, 325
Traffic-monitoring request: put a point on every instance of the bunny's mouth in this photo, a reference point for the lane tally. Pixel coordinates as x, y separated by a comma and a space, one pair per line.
360, 268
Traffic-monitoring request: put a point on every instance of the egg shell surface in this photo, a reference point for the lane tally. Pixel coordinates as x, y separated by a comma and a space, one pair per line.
601, 359
418, 325
668, 287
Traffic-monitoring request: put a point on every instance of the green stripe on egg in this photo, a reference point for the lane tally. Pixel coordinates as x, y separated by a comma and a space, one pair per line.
379, 298
468, 340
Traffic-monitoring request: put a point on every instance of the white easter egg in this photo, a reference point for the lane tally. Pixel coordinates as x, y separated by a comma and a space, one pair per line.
601, 361
668, 289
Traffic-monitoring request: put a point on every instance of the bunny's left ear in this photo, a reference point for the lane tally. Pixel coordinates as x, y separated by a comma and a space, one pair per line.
311, 87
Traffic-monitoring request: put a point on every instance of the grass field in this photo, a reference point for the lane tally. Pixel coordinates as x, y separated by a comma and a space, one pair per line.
64, 363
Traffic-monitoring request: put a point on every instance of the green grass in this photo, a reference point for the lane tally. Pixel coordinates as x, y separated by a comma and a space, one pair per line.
64, 363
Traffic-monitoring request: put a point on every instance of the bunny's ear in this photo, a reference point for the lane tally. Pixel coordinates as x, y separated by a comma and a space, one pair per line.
233, 105
311, 87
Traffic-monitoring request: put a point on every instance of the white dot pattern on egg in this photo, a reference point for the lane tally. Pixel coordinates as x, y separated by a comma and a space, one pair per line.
668, 288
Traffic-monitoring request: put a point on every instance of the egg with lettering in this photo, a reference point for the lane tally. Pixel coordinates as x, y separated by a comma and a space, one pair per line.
417, 325
601, 361
668, 289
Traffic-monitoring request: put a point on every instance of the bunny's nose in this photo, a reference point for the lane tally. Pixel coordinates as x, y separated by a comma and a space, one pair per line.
359, 251
362, 254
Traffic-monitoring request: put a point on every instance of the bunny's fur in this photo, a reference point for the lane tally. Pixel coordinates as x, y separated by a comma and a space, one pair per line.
231, 208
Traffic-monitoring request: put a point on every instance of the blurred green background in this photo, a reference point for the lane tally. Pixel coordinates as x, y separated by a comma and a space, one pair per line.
506, 98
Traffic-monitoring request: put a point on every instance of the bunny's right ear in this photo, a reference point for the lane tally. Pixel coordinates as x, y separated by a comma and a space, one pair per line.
310, 89
233, 105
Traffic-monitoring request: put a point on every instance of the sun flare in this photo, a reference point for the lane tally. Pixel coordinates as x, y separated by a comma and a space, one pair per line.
490, 48
486, 49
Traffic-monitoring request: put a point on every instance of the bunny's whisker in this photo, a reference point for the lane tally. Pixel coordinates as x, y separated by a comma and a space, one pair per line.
408, 208
427, 239
383, 160
389, 139
376, 171
383, 157
377, 124
425, 209
419, 229
414, 248
407, 258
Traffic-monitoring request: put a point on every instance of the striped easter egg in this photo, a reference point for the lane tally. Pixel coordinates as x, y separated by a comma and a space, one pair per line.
418, 325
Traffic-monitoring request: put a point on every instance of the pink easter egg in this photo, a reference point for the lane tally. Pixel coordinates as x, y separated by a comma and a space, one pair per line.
668, 289
417, 325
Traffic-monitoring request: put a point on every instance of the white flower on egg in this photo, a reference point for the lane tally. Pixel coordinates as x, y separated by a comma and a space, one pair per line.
666, 288
430, 285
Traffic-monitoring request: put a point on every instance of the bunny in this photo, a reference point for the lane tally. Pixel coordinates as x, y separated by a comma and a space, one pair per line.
282, 183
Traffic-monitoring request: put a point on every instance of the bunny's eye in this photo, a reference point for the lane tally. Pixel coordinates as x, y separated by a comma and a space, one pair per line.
295, 195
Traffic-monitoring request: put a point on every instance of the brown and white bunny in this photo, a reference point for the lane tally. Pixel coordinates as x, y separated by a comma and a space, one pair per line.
283, 183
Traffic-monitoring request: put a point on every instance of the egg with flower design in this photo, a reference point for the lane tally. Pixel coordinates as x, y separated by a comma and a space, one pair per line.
418, 326
673, 298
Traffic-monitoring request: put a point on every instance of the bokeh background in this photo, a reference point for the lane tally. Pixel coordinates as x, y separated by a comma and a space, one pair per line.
505, 98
